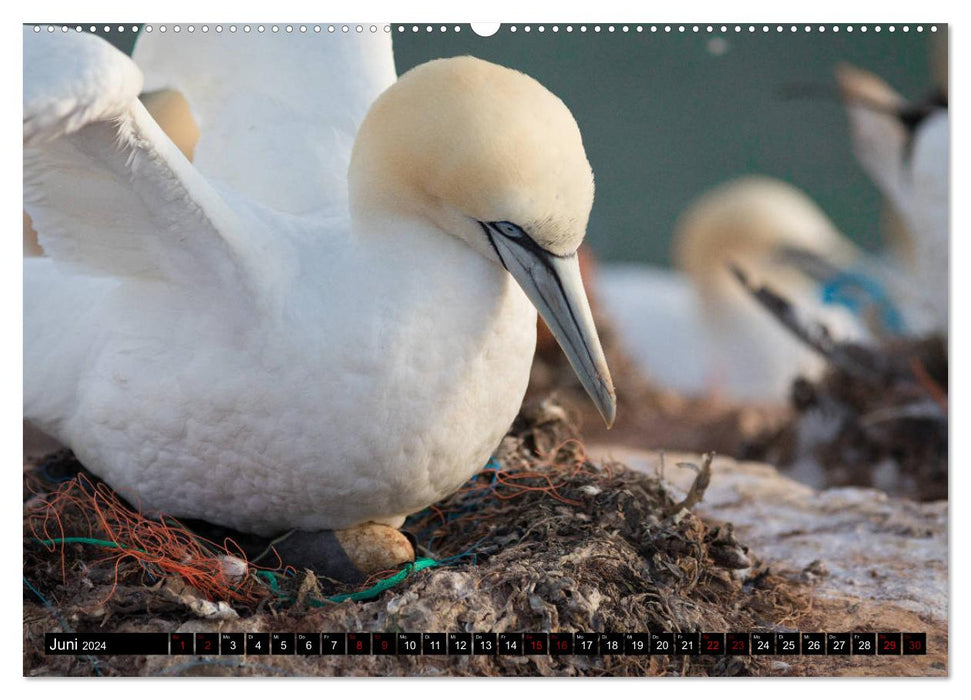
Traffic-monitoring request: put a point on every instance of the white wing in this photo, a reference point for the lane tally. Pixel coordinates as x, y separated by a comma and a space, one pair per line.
658, 320
277, 112
108, 192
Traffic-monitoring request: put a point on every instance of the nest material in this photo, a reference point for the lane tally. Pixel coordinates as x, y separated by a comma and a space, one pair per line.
889, 432
878, 416
547, 541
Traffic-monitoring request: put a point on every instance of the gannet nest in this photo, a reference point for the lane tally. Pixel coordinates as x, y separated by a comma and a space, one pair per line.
878, 418
547, 542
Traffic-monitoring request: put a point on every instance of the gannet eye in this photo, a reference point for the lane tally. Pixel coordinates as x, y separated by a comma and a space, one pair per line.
509, 230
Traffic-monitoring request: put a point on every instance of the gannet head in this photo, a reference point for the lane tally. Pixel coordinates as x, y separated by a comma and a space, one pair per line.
756, 223
490, 156
879, 134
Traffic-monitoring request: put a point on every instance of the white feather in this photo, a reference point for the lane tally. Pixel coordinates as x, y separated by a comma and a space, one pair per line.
107, 191
258, 96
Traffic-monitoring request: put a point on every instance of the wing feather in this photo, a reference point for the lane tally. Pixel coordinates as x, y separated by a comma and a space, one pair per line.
277, 113
108, 192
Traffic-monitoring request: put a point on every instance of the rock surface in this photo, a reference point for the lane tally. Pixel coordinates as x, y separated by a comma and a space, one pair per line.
877, 563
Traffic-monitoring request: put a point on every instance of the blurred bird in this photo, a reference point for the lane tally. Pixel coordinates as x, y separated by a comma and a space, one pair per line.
904, 147
657, 320
698, 331
327, 320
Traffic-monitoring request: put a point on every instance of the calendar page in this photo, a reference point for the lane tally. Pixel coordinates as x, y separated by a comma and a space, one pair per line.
513, 349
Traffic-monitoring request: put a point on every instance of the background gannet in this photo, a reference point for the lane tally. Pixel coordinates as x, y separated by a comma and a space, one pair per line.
170, 110
270, 347
903, 146
697, 329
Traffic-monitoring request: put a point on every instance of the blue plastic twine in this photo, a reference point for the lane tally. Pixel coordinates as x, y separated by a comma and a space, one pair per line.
856, 291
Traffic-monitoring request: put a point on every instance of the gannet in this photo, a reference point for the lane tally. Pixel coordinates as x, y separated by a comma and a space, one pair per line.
695, 330
904, 148
328, 318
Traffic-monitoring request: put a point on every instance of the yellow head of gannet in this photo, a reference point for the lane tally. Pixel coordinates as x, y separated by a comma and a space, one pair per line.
171, 111
750, 222
490, 156
757, 223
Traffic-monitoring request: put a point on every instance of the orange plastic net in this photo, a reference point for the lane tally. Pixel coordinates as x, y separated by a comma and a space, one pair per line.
83, 511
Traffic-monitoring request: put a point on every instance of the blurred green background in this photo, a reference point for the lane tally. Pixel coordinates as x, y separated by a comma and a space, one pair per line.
665, 116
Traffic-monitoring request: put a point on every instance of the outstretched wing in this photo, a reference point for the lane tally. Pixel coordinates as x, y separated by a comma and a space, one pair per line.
108, 192
277, 112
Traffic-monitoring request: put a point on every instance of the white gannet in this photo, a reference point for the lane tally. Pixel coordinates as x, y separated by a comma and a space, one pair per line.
286, 334
697, 330
904, 148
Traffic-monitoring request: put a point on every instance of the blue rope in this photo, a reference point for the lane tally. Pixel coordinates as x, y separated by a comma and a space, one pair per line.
270, 577
417, 565
380, 587
856, 292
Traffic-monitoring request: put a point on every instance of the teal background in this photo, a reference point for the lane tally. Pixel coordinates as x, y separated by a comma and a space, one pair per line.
664, 117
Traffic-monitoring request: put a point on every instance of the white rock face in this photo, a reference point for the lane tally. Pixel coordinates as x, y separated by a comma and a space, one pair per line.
852, 543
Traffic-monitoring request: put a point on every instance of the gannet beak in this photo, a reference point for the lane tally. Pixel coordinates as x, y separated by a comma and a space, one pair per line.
554, 286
